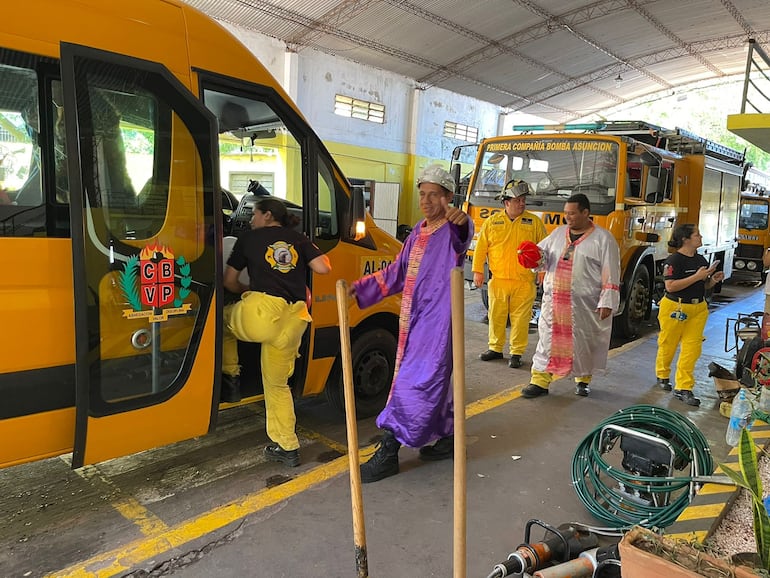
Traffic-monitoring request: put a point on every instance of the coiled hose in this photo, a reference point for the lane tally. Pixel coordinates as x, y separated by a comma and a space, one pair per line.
620, 498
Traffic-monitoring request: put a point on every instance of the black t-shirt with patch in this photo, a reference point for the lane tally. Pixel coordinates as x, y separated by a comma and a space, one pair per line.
276, 258
679, 266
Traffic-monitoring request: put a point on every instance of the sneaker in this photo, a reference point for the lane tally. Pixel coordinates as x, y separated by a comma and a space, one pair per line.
582, 389
686, 396
664, 384
489, 355
443, 449
276, 453
533, 390
384, 462
514, 361
231, 389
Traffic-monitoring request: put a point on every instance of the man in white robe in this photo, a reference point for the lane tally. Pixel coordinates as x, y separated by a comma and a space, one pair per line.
581, 291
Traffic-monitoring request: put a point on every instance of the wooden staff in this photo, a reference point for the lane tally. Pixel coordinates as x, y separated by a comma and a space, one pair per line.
458, 357
359, 531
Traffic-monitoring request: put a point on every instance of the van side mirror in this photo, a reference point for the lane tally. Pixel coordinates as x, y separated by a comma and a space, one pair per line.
357, 212
457, 199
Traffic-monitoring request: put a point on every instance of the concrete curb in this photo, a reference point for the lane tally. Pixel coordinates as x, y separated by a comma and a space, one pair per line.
706, 510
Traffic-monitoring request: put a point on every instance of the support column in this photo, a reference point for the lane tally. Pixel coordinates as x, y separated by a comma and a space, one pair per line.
291, 74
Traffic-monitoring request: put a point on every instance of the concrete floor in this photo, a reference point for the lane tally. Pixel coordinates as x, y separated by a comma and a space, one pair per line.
214, 507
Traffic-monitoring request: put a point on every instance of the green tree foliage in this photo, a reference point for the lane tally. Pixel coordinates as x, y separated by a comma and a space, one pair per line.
702, 111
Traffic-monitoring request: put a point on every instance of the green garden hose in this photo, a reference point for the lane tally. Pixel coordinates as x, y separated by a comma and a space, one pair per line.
621, 499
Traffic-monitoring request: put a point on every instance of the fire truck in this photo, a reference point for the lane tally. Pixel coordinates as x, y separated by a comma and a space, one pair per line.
753, 231
641, 179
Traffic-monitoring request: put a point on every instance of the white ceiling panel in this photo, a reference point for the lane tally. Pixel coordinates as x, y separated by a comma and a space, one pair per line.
555, 58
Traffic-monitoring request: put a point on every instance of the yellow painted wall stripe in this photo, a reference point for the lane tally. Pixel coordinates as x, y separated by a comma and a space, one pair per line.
695, 536
695, 512
709, 489
706, 515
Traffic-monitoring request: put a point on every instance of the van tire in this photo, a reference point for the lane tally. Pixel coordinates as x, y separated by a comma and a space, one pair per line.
373, 356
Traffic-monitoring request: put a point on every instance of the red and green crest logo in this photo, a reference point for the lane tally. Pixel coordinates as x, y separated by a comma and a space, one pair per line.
149, 283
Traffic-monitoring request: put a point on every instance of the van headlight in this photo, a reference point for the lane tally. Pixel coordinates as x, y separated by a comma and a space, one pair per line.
739, 264
751, 265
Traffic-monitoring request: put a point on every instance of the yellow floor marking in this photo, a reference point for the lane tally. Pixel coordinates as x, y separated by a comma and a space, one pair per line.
306, 433
161, 538
131, 509
315, 436
122, 559
629, 346
492, 401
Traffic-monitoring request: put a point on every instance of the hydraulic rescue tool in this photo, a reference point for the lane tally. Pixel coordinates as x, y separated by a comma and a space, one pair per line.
559, 545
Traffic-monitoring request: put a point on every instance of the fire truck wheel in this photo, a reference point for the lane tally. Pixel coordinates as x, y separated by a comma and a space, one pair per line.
629, 322
373, 356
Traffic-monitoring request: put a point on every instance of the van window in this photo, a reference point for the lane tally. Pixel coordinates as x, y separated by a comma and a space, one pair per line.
259, 136
21, 189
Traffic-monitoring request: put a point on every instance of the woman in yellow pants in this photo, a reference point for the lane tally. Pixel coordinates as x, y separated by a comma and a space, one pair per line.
683, 311
272, 311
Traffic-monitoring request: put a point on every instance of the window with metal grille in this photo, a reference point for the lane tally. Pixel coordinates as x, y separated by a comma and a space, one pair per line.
461, 131
357, 108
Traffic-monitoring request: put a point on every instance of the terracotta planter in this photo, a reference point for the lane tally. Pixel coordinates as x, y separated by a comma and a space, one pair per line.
637, 562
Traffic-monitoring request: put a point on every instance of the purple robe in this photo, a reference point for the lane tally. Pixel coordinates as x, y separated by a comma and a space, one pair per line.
419, 409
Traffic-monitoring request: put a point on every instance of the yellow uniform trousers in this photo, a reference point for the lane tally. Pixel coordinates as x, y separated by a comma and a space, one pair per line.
278, 326
543, 378
509, 298
688, 332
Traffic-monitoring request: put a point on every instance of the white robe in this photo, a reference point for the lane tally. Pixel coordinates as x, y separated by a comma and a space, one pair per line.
595, 283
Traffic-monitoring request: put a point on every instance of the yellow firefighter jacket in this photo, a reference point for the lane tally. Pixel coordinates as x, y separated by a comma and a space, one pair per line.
498, 241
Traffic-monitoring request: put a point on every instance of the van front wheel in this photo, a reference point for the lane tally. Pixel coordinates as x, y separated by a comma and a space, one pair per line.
373, 357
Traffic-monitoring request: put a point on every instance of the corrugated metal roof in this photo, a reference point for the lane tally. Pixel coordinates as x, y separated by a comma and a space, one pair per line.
554, 58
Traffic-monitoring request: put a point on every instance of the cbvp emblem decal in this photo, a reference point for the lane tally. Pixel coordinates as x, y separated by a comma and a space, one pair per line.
147, 282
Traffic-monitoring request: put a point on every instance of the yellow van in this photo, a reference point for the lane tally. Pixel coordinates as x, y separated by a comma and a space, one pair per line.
118, 121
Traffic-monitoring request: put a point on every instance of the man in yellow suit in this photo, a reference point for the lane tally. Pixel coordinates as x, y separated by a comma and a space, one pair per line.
511, 287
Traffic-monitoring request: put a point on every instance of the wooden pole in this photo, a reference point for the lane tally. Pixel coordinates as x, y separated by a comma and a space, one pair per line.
359, 530
458, 360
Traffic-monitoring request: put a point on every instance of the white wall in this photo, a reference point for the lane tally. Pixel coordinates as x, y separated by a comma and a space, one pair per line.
319, 77
437, 106
270, 51
322, 76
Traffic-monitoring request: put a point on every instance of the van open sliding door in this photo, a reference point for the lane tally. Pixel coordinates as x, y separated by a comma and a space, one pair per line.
146, 220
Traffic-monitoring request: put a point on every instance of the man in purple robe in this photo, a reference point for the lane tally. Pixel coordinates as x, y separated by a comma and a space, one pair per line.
420, 409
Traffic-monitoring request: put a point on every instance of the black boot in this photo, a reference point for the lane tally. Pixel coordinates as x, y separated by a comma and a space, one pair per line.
443, 449
231, 389
384, 462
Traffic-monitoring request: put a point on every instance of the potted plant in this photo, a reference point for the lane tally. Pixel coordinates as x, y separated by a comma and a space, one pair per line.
748, 478
644, 553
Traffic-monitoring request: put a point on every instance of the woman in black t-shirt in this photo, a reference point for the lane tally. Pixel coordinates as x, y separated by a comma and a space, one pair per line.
683, 311
272, 311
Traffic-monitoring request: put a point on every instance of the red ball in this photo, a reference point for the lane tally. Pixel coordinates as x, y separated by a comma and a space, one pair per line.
529, 255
